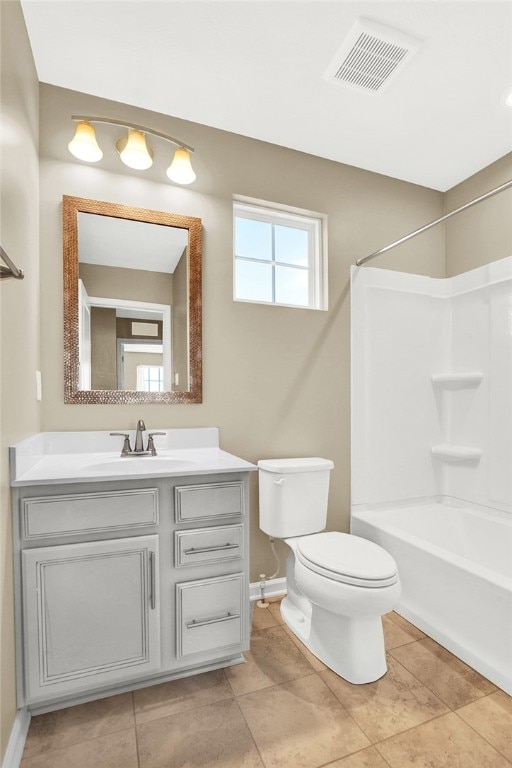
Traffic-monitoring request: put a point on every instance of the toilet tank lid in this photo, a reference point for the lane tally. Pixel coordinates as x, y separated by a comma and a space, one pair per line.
284, 466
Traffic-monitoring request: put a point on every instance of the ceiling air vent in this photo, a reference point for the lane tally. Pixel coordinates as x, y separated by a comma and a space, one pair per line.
371, 56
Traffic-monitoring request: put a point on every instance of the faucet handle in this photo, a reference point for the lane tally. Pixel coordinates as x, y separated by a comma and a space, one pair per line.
151, 444
126, 445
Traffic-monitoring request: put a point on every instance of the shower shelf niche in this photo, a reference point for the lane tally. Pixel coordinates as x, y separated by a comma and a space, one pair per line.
456, 453
457, 380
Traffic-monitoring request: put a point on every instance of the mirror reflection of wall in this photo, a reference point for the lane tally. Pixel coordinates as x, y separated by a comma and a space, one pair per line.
133, 305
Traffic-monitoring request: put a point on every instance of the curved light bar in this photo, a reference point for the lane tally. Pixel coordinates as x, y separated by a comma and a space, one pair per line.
133, 148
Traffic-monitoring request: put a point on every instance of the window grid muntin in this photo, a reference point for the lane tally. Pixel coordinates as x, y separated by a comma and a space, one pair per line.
152, 374
276, 217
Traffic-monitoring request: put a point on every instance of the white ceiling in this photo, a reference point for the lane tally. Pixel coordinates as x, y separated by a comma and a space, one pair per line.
255, 67
129, 244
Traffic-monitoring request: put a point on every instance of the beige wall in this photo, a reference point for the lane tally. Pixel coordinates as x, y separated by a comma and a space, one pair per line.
276, 380
120, 283
483, 233
103, 348
19, 304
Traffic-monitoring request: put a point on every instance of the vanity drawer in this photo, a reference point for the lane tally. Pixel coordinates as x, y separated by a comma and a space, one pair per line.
208, 545
209, 614
75, 514
212, 500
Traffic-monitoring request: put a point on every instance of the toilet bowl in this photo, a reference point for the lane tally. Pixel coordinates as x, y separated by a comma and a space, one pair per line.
342, 625
338, 585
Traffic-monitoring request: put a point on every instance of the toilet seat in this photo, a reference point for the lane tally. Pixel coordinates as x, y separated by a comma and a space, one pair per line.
347, 558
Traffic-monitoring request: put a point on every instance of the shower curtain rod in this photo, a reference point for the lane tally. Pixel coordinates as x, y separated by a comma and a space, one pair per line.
493, 192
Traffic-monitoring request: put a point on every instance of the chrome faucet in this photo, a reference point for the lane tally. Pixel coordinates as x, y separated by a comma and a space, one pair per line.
139, 447
127, 449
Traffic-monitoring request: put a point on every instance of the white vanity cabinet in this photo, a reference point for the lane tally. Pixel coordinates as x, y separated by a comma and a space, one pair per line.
90, 614
210, 613
128, 583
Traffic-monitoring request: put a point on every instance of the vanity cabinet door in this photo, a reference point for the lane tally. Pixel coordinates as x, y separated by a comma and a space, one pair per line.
91, 615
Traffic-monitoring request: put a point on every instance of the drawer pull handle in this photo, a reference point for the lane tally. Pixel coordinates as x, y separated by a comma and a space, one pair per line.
204, 622
201, 550
152, 578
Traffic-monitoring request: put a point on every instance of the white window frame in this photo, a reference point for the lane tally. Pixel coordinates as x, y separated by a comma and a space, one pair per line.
141, 375
316, 226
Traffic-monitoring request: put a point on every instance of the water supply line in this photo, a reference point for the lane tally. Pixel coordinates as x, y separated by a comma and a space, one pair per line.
263, 602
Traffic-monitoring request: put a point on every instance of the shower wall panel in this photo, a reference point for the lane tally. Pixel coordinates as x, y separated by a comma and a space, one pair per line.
398, 338
432, 369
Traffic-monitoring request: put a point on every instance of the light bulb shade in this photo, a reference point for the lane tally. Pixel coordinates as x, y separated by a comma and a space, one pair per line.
180, 170
84, 145
134, 151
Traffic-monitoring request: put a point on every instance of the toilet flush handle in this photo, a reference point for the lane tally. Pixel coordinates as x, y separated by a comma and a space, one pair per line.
279, 482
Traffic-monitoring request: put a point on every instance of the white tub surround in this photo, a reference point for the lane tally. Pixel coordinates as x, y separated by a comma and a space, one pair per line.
129, 571
432, 450
432, 386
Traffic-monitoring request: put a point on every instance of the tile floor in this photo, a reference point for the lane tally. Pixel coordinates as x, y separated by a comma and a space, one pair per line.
285, 709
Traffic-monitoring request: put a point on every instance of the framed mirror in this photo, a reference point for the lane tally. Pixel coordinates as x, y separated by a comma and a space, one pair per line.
132, 304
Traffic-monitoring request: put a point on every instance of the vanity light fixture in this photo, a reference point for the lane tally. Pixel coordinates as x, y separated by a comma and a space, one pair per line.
133, 148
84, 145
134, 151
180, 170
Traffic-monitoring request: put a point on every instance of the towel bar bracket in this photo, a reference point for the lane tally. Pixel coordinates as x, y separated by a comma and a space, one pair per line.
11, 270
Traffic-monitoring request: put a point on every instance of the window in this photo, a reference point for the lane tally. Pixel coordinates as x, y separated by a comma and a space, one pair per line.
150, 378
278, 256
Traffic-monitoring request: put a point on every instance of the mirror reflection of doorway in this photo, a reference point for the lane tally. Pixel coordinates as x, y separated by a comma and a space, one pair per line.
140, 365
119, 336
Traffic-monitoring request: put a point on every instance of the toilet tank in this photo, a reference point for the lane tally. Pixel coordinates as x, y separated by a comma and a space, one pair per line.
293, 496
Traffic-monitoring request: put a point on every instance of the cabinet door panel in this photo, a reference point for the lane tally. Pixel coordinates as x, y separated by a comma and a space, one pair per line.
88, 614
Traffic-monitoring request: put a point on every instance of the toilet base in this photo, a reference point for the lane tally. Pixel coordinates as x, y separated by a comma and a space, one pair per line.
352, 647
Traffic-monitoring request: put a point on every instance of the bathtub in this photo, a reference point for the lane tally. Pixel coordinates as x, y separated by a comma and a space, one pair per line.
455, 566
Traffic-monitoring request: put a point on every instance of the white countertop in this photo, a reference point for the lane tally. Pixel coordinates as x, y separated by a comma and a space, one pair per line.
78, 457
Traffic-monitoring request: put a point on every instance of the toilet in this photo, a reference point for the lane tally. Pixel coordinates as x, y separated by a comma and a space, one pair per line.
338, 585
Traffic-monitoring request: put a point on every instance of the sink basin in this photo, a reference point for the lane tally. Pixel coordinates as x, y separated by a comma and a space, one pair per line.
129, 465
84, 457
